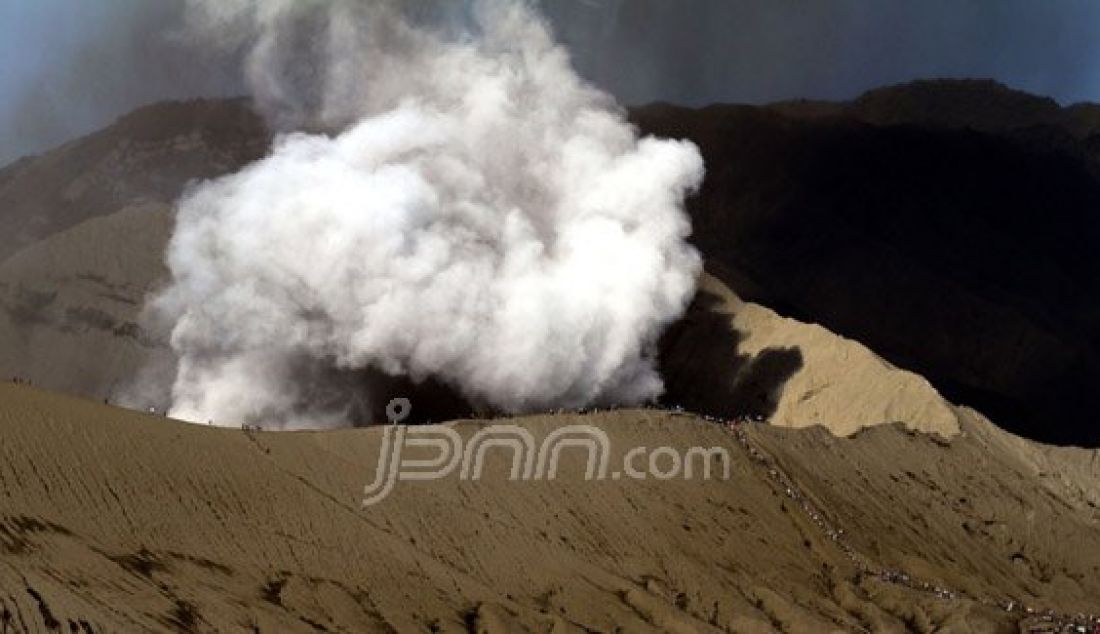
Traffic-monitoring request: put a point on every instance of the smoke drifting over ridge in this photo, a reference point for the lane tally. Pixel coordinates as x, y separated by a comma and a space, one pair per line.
465, 209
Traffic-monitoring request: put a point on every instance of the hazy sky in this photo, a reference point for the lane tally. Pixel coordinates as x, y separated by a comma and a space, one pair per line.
69, 66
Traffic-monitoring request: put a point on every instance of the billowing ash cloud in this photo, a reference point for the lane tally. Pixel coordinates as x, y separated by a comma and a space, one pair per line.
464, 208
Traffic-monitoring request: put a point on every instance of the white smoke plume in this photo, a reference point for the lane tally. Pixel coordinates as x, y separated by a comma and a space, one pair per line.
449, 200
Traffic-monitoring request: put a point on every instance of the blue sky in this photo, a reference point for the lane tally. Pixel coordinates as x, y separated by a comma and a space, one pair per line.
37, 34
68, 67
704, 51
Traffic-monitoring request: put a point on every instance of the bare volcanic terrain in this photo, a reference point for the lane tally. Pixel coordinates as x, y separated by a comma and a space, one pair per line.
117, 521
852, 250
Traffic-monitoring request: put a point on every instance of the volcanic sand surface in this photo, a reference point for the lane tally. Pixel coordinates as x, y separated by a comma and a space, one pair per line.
129, 522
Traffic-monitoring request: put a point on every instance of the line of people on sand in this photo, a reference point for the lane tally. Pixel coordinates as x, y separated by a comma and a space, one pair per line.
152, 411
579, 411
672, 409
1058, 622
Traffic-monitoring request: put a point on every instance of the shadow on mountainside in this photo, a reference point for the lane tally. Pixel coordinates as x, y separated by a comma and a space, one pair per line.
704, 373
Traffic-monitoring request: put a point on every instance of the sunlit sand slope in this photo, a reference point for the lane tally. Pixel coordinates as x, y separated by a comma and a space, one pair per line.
116, 521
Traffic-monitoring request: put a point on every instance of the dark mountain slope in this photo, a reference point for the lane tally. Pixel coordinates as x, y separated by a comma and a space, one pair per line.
146, 156
967, 256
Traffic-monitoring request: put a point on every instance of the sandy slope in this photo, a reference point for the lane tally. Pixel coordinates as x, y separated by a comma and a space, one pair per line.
114, 521
70, 305
729, 353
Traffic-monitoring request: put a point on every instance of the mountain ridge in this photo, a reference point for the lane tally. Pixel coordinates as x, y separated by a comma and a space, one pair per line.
961, 254
911, 253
